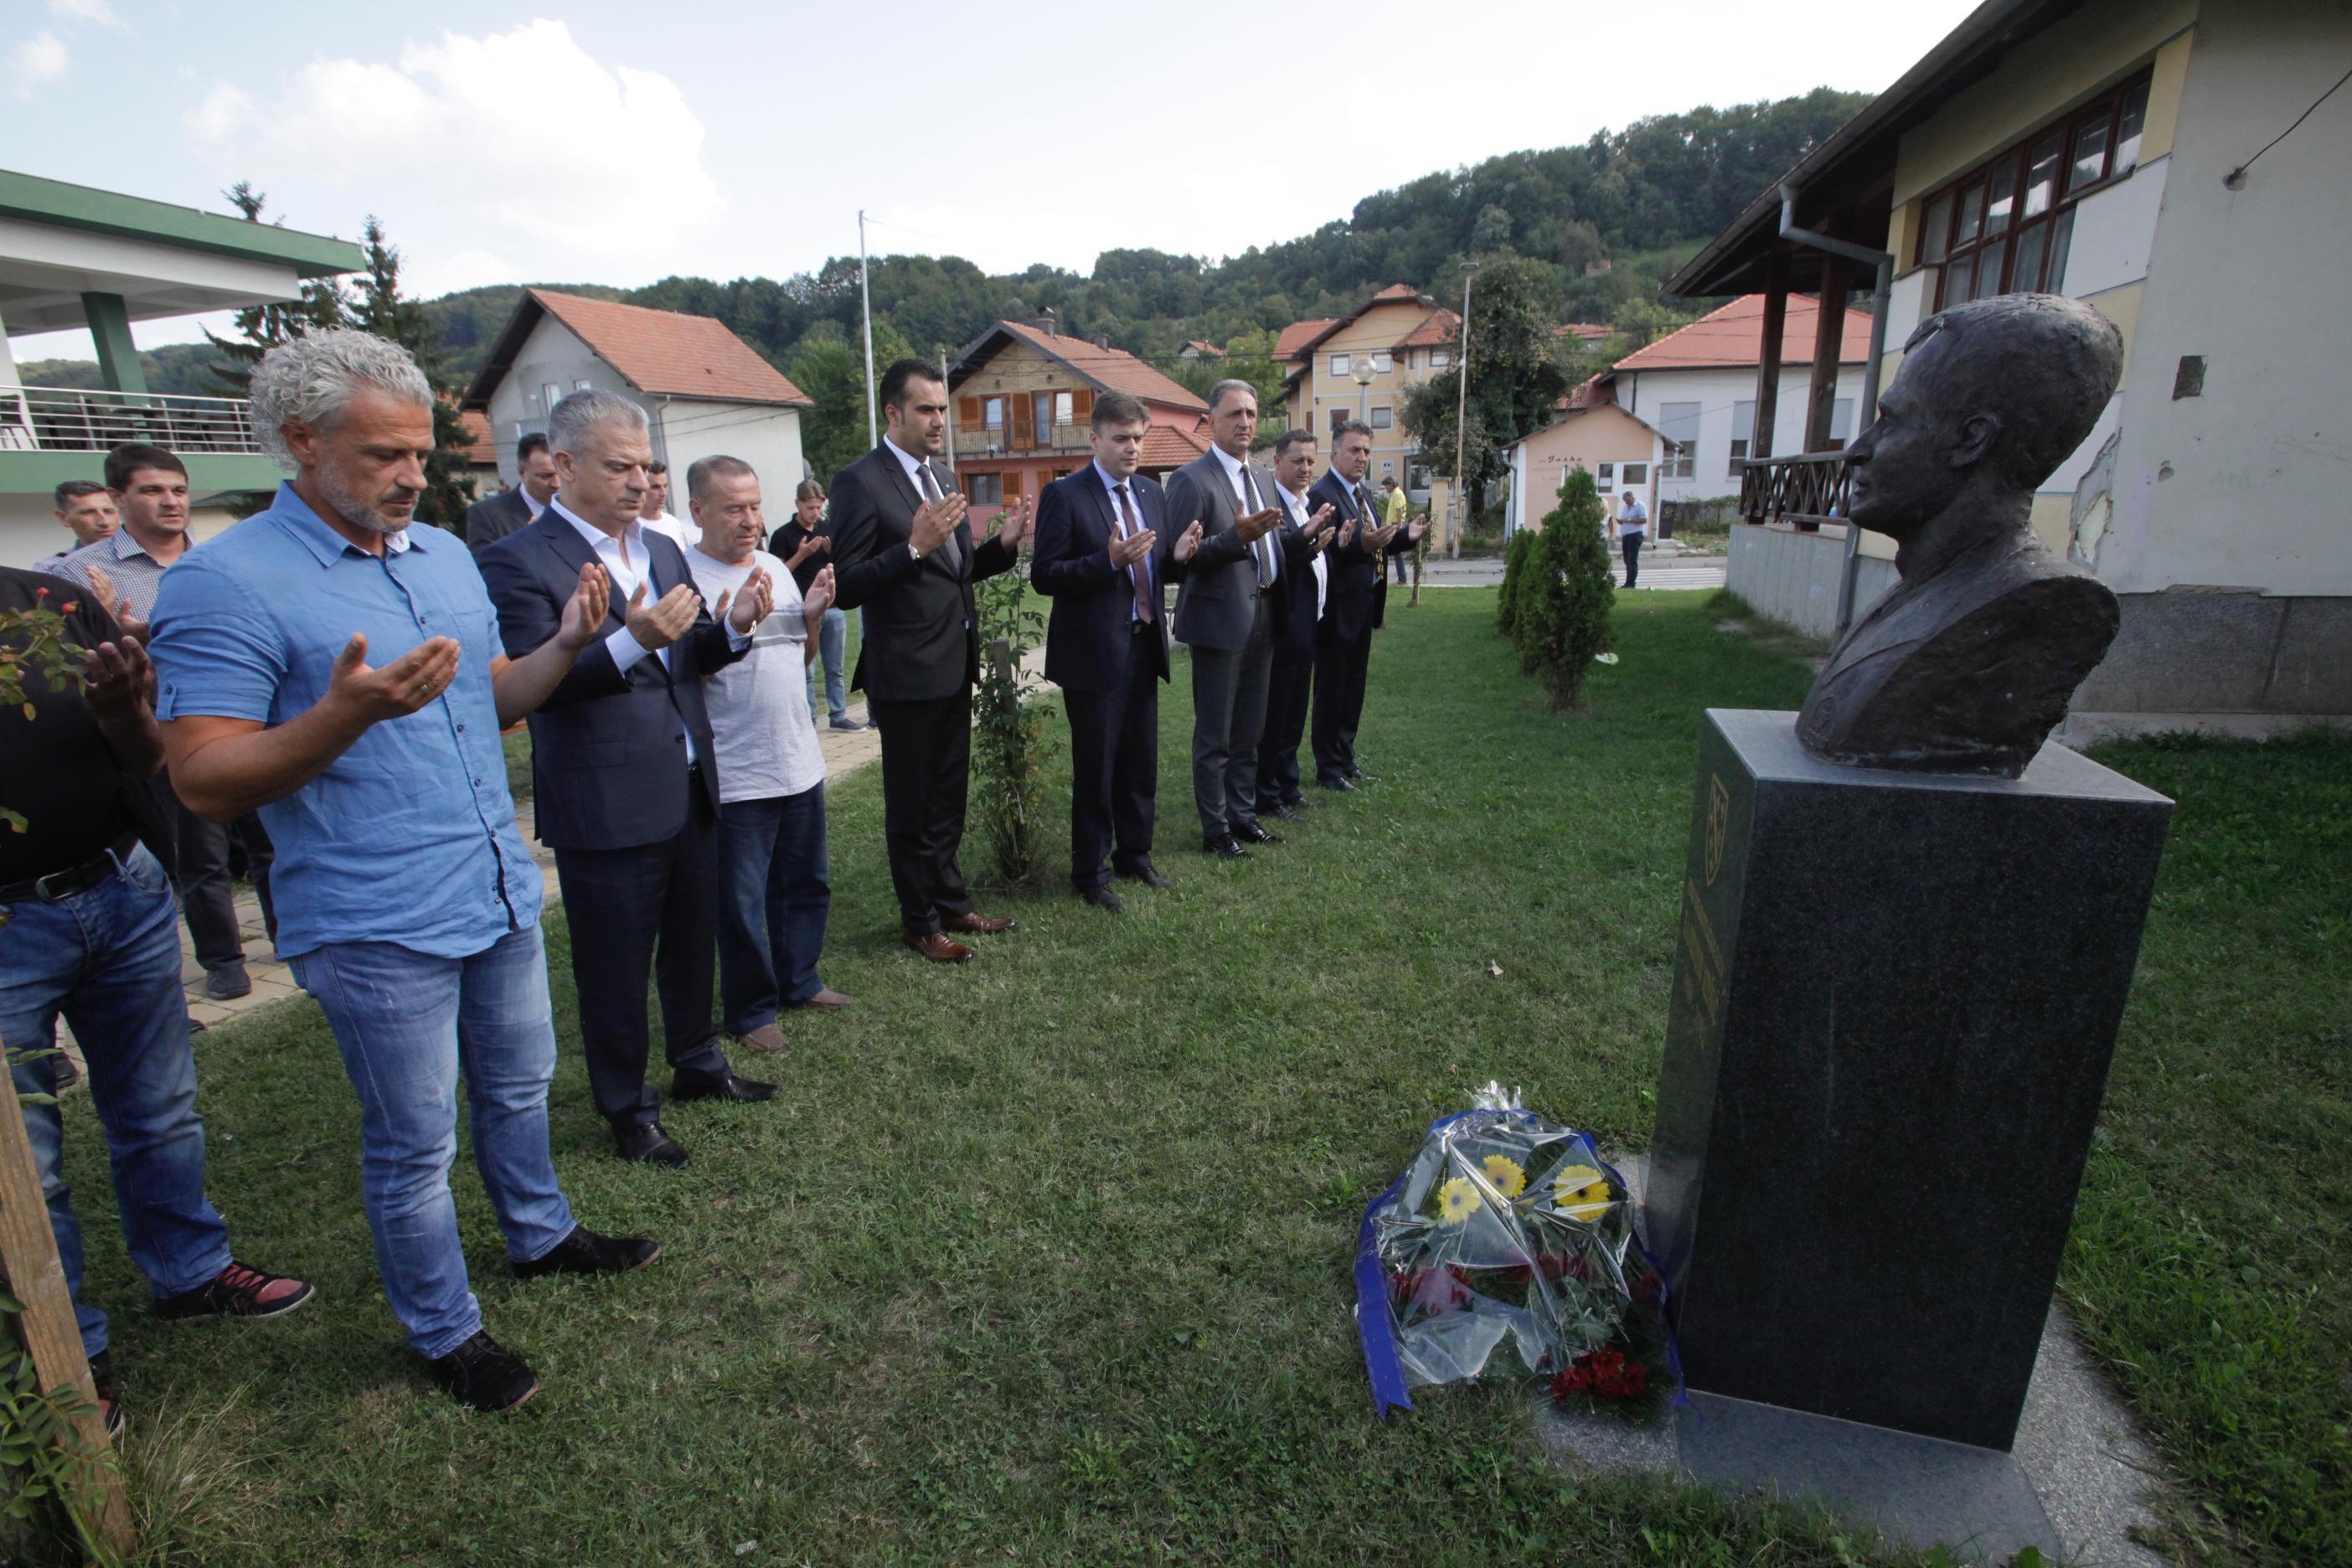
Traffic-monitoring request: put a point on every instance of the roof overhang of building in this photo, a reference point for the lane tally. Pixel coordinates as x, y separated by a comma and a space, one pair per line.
1844, 187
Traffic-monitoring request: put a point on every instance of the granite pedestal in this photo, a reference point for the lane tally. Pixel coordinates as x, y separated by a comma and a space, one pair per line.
1896, 996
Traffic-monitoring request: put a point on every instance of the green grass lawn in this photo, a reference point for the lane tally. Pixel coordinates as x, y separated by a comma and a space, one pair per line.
1045, 1258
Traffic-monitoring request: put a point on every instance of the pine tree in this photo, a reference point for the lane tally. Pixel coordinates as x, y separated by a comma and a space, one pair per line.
261, 328
380, 309
1573, 589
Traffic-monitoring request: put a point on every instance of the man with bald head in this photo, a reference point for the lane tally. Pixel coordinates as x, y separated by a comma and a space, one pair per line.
1968, 664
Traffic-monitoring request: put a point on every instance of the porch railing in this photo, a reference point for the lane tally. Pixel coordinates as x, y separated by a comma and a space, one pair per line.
71, 419
1803, 491
1021, 436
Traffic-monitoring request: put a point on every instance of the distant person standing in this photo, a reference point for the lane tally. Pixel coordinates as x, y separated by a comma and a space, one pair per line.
126, 569
1631, 527
803, 545
776, 887
653, 510
1395, 507
84, 507
509, 512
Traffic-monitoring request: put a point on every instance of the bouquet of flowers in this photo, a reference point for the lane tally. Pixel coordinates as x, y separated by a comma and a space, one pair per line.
1508, 1229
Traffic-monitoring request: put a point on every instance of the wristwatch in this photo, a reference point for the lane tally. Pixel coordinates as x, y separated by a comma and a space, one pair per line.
912, 550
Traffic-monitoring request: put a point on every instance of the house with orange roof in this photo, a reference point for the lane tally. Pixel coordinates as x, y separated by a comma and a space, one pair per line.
1589, 429
1698, 389
705, 391
1023, 399
1363, 365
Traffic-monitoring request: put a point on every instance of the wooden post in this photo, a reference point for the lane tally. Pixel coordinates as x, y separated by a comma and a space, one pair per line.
28, 1259
1828, 341
1000, 658
1767, 359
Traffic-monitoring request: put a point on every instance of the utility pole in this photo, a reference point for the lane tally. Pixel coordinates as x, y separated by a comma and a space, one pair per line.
943, 363
865, 300
1455, 521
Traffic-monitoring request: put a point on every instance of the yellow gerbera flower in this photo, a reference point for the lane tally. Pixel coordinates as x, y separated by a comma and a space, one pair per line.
1581, 1192
1457, 1200
1505, 1176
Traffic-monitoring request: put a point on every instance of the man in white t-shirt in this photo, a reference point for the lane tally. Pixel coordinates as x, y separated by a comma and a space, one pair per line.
775, 886
653, 510
1630, 527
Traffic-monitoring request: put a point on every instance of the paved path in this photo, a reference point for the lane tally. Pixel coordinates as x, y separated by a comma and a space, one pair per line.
1660, 570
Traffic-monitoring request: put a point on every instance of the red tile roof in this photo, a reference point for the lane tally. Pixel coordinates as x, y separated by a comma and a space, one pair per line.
1733, 338
484, 452
1111, 370
1396, 291
671, 354
1299, 334
1207, 350
1171, 446
1590, 332
1438, 329
1592, 392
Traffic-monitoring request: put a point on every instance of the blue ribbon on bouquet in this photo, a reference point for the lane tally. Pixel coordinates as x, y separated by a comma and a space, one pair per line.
1375, 1323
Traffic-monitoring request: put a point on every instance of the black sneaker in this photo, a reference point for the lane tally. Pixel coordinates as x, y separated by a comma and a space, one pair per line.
237, 1292
483, 1374
585, 1251
109, 1402
228, 982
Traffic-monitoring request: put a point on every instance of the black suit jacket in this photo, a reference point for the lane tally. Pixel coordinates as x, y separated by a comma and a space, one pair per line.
1087, 643
492, 519
919, 641
1353, 607
608, 747
1294, 644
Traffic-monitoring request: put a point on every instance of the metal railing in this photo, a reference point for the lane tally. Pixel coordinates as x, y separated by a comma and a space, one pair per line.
71, 419
1021, 436
1803, 491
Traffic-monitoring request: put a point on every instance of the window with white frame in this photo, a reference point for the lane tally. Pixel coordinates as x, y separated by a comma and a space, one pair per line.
1441, 359
1381, 364
1342, 366
1678, 423
1743, 434
1380, 417
1604, 474
984, 489
1635, 474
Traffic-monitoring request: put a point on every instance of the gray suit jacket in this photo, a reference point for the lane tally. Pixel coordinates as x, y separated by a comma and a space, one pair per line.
493, 518
1215, 605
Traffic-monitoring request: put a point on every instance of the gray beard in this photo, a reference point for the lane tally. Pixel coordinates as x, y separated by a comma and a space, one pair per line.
352, 508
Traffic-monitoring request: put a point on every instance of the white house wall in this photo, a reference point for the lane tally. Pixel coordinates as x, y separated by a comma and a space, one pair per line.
553, 354
761, 434
1718, 393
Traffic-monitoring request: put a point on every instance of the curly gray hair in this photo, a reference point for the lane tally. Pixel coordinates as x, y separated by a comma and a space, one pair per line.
312, 379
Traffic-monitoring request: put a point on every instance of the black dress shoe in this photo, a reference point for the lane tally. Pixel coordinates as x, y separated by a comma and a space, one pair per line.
647, 1145
1338, 786
1102, 898
741, 1090
1251, 833
1224, 847
586, 1251
1147, 874
483, 1374
1280, 814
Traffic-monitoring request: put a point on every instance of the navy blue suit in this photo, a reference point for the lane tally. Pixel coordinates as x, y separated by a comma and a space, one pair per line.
634, 832
1108, 662
1290, 682
1344, 642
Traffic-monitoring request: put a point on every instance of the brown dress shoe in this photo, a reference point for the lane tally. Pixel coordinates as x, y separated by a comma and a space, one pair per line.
937, 946
826, 1000
980, 924
766, 1037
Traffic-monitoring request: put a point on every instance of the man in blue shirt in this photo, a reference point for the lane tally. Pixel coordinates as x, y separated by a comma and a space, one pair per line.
407, 904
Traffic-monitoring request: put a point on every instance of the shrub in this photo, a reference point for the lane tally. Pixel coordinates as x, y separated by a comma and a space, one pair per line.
1565, 616
1514, 571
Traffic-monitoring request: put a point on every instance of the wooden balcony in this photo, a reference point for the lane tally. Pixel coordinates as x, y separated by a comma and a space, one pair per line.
1803, 492
1018, 440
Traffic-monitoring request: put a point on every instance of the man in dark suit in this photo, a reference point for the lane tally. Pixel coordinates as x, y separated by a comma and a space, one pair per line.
904, 554
1305, 585
1229, 612
511, 512
1353, 609
625, 771
1103, 558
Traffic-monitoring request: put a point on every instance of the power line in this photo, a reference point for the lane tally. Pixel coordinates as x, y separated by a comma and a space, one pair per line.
2236, 178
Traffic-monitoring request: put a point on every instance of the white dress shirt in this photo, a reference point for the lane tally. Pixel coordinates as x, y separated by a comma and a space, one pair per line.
1299, 513
1271, 557
536, 506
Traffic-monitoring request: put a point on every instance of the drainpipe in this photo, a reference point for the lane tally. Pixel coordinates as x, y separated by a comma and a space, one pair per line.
1884, 261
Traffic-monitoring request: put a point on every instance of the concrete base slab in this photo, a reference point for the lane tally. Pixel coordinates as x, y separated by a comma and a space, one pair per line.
1923, 1490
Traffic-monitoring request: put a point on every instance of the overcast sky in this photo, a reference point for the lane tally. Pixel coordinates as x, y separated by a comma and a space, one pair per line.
622, 143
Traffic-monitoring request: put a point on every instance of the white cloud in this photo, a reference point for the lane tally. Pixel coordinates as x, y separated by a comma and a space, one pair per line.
223, 110
34, 63
96, 12
521, 138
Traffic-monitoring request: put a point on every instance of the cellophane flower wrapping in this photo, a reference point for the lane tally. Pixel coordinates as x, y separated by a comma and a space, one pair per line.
1508, 1233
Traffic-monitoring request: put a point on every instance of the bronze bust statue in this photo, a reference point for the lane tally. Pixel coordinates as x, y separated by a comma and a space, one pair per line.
1967, 665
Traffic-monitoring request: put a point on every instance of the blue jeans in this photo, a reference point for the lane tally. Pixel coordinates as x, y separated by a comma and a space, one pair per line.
109, 959
832, 646
778, 891
407, 1023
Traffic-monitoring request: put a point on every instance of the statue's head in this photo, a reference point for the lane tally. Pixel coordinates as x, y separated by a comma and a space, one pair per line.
1993, 395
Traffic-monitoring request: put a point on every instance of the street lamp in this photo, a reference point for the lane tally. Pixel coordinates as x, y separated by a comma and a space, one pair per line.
1453, 521
1363, 373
